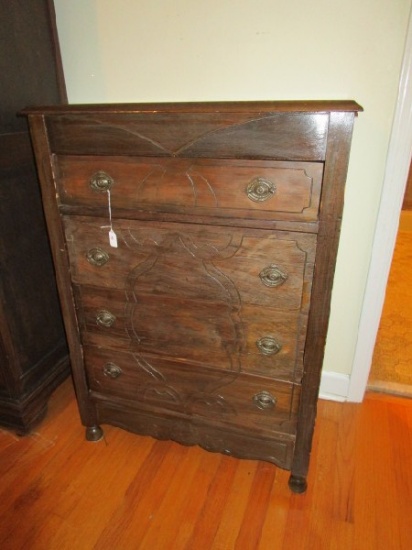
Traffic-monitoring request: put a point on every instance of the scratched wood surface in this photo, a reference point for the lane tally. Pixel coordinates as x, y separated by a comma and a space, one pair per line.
217, 187
58, 491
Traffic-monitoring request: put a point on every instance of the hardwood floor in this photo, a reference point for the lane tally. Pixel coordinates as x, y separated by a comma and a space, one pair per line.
58, 491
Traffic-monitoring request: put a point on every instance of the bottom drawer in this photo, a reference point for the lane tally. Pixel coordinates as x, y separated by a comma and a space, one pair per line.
247, 402
278, 448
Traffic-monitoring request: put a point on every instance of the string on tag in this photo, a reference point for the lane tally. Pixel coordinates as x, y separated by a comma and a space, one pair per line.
112, 234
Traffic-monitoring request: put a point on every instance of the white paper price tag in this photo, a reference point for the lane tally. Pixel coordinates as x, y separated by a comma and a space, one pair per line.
112, 238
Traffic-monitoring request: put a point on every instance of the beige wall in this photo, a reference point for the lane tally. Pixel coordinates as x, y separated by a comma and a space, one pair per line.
187, 50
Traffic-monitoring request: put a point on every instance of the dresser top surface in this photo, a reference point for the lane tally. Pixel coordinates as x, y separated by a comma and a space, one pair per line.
267, 107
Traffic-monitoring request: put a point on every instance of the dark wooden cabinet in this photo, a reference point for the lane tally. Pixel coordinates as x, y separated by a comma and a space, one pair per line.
33, 349
195, 247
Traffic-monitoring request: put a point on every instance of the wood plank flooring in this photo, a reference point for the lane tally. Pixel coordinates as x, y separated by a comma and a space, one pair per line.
58, 491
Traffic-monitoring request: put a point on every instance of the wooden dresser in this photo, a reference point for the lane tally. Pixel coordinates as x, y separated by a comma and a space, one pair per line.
194, 247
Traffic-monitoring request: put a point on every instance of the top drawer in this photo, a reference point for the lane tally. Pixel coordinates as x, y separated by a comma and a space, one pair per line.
253, 189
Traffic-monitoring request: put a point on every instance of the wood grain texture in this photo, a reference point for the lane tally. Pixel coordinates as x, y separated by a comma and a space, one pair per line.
263, 107
336, 163
208, 187
134, 492
188, 258
58, 250
252, 135
287, 328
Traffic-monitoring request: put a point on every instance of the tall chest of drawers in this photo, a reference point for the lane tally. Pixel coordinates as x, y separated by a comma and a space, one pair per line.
194, 247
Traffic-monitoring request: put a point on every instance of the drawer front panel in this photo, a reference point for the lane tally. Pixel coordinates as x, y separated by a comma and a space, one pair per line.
274, 342
267, 342
252, 189
232, 266
198, 294
238, 134
224, 398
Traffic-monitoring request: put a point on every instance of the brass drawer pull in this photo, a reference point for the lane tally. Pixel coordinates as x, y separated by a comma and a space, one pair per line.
97, 257
260, 189
272, 275
105, 318
101, 182
264, 400
268, 345
111, 370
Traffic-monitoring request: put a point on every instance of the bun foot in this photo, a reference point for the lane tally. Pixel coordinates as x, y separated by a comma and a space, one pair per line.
94, 433
297, 484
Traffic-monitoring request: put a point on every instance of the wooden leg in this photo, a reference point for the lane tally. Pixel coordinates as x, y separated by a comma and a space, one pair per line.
297, 484
94, 433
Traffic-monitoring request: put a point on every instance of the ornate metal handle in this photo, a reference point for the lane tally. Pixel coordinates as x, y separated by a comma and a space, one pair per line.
268, 345
105, 318
272, 275
100, 181
112, 370
97, 257
260, 189
264, 400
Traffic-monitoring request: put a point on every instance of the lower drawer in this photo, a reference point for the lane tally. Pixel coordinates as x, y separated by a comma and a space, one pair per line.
200, 332
256, 404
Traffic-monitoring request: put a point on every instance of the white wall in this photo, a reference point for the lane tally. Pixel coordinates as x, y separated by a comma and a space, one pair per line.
186, 50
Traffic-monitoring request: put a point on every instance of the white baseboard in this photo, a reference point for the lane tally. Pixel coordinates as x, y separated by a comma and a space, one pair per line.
334, 386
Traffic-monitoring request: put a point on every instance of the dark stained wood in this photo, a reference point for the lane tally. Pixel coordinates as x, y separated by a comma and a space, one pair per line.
215, 188
31, 60
173, 249
407, 199
33, 350
192, 303
149, 215
287, 327
194, 135
262, 107
61, 82
276, 448
336, 163
58, 250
